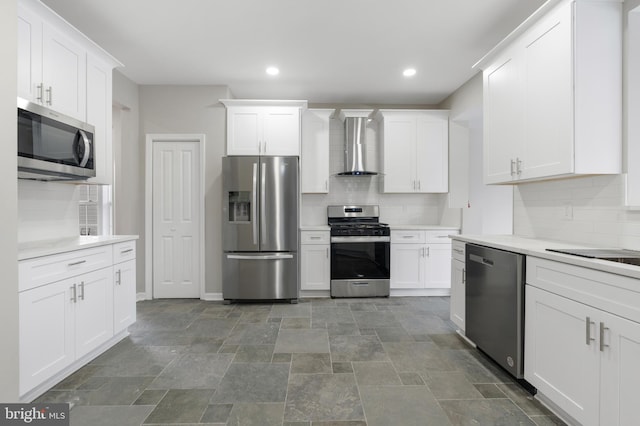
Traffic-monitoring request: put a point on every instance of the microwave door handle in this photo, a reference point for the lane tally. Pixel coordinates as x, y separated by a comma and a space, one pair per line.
87, 148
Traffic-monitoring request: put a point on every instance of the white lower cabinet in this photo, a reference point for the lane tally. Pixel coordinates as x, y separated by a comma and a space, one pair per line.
315, 254
65, 323
124, 295
408, 265
420, 259
93, 310
458, 277
46, 333
581, 358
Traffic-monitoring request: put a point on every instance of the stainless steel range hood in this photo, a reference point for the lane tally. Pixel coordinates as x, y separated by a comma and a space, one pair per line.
355, 128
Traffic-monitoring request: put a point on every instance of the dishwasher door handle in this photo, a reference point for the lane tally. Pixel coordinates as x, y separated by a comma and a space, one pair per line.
481, 260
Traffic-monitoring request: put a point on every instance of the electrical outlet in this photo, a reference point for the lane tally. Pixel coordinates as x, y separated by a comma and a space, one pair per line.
568, 211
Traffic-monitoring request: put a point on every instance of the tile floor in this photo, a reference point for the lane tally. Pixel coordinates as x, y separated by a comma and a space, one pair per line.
322, 362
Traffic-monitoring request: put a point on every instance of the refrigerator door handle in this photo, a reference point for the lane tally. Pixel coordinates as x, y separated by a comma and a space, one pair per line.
262, 257
254, 204
263, 201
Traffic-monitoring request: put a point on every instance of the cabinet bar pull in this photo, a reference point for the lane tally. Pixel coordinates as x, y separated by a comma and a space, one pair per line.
513, 166
327, 252
464, 275
126, 251
50, 95
518, 166
589, 338
40, 88
77, 263
119, 277
427, 251
459, 251
602, 329
81, 297
408, 236
74, 293
315, 238
418, 185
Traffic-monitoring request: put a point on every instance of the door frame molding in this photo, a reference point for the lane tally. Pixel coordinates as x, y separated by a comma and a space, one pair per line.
199, 138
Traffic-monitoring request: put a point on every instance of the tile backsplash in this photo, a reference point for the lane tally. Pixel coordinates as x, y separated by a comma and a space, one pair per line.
46, 210
588, 210
412, 209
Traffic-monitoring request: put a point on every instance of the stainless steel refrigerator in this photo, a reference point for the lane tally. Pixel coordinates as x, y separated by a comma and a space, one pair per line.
260, 228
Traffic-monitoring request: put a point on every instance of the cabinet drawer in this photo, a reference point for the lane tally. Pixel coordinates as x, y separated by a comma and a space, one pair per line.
457, 250
616, 294
47, 269
314, 237
440, 237
124, 251
408, 237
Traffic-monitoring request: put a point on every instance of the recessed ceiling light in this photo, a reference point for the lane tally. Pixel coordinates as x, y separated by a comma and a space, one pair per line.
273, 71
409, 72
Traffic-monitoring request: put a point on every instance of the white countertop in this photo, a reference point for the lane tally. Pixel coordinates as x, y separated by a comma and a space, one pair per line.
424, 227
392, 226
33, 249
537, 247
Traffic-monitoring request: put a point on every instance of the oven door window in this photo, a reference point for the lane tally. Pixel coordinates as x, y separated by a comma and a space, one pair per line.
368, 260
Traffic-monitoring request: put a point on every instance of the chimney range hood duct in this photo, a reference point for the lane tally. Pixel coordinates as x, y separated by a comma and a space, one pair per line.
354, 148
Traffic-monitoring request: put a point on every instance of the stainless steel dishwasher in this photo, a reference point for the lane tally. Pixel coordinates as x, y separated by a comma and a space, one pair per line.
495, 305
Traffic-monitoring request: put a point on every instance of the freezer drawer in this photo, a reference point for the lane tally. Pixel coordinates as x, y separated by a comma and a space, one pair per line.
260, 276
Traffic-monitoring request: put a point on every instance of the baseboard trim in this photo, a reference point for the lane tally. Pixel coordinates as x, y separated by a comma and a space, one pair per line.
420, 292
212, 297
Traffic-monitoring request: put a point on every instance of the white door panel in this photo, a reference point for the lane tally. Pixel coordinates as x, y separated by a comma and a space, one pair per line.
176, 233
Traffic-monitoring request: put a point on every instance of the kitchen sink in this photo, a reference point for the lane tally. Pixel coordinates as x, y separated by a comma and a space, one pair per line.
630, 257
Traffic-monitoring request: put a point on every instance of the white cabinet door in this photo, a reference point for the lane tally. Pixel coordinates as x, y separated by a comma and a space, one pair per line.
438, 266
432, 154
244, 130
124, 295
399, 152
548, 75
281, 131
99, 115
314, 161
408, 265
620, 370
263, 130
562, 354
457, 301
29, 55
64, 67
46, 333
316, 269
503, 118
93, 310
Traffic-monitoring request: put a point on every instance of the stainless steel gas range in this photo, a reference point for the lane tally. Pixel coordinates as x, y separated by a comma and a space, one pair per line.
360, 252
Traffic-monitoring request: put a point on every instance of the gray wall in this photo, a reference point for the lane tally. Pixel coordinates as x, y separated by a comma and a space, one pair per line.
128, 157
9, 197
193, 109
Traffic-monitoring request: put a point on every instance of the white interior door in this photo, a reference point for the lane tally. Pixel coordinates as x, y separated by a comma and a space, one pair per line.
176, 219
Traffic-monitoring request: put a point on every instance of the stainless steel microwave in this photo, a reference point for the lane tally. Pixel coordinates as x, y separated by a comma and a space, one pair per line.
53, 146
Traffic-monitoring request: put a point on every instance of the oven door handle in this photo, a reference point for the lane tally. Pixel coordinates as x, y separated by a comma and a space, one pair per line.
360, 239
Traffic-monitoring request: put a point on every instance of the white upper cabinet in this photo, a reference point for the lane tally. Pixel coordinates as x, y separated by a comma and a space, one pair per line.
414, 150
553, 95
315, 150
51, 64
260, 127
58, 67
64, 73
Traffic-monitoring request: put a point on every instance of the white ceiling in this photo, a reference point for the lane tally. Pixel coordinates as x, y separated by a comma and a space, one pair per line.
328, 51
